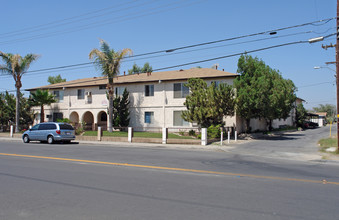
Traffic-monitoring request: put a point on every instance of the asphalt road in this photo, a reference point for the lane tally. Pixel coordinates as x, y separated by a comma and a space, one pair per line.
87, 181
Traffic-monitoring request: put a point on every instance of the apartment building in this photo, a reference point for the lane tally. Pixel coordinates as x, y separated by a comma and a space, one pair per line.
156, 99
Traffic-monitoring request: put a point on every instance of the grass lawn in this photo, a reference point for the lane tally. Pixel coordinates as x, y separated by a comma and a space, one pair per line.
327, 143
136, 134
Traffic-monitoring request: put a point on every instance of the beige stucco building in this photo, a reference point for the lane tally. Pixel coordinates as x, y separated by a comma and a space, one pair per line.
156, 99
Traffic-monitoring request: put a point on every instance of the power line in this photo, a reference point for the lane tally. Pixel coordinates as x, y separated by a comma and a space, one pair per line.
99, 23
167, 54
194, 45
316, 84
52, 24
211, 59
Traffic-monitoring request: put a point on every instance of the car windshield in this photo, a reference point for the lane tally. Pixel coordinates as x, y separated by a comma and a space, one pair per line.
66, 127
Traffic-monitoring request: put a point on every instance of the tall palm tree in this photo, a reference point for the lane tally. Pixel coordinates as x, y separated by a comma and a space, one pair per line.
41, 98
108, 61
16, 66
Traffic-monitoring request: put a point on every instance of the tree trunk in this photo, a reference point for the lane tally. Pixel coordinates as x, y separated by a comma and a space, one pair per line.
248, 130
17, 110
110, 109
42, 114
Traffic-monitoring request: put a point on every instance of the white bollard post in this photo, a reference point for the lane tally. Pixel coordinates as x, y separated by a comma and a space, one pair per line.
228, 136
221, 137
204, 136
99, 133
130, 134
11, 131
164, 135
235, 136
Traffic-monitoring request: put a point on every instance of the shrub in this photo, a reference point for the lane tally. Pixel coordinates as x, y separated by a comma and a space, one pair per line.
214, 131
182, 133
191, 133
65, 120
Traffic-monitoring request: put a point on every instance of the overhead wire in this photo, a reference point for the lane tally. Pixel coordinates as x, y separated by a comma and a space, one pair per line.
194, 45
52, 24
201, 61
101, 23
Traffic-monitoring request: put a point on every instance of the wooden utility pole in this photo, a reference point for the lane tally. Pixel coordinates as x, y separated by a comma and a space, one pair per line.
337, 71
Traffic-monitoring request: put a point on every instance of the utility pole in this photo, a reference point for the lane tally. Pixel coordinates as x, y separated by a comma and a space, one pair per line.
337, 68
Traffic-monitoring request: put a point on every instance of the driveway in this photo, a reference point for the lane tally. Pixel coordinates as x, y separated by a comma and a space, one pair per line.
287, 145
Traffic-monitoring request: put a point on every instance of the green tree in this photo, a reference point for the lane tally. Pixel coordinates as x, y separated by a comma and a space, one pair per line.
41, 98
281, 98
301, 115
55, 79
249, 88
208, 105
262, 92
7, 110
329, 109
108, 61
147, 68
121, 110
16, 66
135, 69
124, 109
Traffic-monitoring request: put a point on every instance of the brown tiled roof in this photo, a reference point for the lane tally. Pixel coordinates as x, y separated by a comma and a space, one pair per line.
142, 77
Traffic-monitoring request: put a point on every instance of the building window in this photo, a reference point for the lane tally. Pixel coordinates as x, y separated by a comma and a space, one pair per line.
178, 120
81, 93
180, 90
59, 95
149, 90
119, 91
101, 87
57, 115
216, 83
149, 117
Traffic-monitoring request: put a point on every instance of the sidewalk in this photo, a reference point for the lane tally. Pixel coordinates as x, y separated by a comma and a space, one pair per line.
241, 147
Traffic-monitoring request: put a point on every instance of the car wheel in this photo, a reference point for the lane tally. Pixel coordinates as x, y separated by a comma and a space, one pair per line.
26, 139
50, 139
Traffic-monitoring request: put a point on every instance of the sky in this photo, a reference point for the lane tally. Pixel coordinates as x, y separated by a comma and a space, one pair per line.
64, 32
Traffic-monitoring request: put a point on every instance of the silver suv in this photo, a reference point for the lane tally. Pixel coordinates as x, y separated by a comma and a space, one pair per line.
50, 132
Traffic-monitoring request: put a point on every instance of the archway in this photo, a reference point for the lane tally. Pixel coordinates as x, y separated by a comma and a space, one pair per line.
74, 118
102, 120
88, 118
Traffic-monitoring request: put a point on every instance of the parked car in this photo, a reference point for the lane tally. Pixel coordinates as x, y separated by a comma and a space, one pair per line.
50, 132
310, 124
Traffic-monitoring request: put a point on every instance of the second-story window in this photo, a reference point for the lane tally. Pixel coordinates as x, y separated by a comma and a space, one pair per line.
59, 95
180, 90
149, 90
81, 94
101, 87
119, 91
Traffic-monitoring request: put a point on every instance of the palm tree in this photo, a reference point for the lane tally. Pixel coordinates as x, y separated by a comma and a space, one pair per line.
16, 66
108, 61
41, 98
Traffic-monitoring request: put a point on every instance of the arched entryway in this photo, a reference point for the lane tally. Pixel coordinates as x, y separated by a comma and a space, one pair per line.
88, 118
102, 120
74, 118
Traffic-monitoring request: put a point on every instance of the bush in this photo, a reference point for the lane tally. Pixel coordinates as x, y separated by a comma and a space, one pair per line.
214, 131
65, 120
191, 133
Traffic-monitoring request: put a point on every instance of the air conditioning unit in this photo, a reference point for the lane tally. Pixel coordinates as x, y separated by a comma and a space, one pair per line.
88, 93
